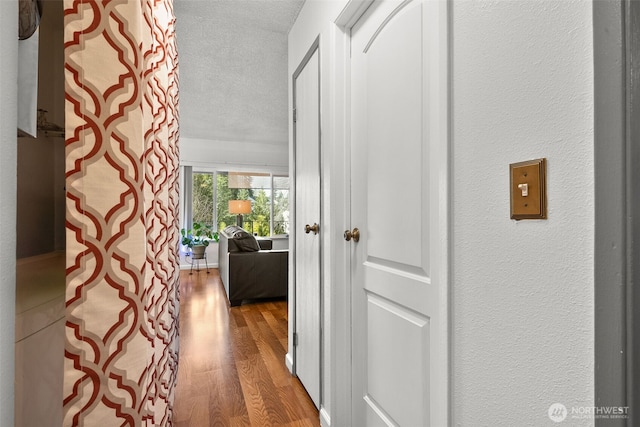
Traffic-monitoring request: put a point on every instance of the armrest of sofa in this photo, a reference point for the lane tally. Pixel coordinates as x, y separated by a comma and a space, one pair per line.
254, 275
265, 244
223, 260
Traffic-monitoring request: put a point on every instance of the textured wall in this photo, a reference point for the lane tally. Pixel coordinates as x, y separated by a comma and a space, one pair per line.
234, 68
522, 292
8, 160
122, 204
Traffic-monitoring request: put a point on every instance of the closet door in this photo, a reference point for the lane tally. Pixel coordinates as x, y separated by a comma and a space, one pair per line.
307, 240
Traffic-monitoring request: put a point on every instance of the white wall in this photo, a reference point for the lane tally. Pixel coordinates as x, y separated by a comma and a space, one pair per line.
233, 83
238, 155
212, 258
8, 159
522, 292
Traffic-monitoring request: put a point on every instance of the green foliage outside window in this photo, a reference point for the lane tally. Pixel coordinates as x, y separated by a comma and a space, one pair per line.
258, 221
203, 199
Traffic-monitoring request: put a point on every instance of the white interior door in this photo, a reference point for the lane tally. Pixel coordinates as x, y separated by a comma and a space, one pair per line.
307, 241
398, 146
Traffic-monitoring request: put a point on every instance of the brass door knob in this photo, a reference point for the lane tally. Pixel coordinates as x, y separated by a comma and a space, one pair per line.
309, 228
355, 235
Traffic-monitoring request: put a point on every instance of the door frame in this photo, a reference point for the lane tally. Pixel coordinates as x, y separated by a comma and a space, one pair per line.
341, 302
291, 358
616, 25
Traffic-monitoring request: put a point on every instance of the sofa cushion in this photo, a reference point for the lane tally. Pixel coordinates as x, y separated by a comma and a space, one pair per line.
245, 242
230, 229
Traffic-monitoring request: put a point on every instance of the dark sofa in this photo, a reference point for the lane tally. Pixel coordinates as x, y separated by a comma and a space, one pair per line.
249, 268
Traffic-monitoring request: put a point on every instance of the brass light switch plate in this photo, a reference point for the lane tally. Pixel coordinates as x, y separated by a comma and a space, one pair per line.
529, 189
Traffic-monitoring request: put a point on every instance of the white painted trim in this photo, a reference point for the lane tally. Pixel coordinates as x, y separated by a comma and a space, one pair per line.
340, 130
439, 38
236, 167
250, 155
612, 198
382, 26
291, 291
288, 360
241, 143
202, 267
325, 419
352, 11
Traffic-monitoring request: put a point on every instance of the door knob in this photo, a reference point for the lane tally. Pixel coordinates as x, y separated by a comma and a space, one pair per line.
309, 228
355, 235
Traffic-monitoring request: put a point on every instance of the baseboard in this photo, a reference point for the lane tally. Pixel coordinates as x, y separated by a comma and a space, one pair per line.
188, 266
288, 360
325, 418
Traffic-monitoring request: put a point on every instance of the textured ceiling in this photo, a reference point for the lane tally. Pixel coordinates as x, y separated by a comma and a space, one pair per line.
233, 68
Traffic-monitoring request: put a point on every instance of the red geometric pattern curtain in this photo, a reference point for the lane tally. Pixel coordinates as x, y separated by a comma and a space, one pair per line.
121, 350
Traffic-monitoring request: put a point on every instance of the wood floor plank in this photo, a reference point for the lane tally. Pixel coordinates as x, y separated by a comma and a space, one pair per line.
276, 326
252, 395
296, 408
303, 398
273, 356
199, 414
284, 343
232, 370
228, 389
243, 344
225, 396
272, 340
218, 409
238, 317
257, 374
302, 423
242, 421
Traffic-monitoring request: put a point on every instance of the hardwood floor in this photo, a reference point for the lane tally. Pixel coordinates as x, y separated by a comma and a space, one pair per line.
232, 370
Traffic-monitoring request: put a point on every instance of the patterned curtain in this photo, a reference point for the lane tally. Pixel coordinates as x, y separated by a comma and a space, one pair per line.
121, 350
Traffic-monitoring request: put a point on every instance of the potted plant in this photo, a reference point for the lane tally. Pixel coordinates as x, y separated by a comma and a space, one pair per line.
198, 238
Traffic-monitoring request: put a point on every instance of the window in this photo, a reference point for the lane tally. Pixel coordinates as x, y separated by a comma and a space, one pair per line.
281, 205
203, 200
268, 193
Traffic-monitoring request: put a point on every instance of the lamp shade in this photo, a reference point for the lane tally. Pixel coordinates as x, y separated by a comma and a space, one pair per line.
239, 206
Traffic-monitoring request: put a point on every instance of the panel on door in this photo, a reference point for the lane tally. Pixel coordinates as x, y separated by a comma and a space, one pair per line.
394, 194
307, 241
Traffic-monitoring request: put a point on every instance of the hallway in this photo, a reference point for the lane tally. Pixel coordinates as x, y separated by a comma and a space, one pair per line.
231, 370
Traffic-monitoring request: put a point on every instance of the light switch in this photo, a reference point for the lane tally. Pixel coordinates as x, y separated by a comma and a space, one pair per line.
529, 189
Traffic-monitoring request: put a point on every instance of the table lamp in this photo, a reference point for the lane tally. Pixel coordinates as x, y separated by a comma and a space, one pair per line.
239, 207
